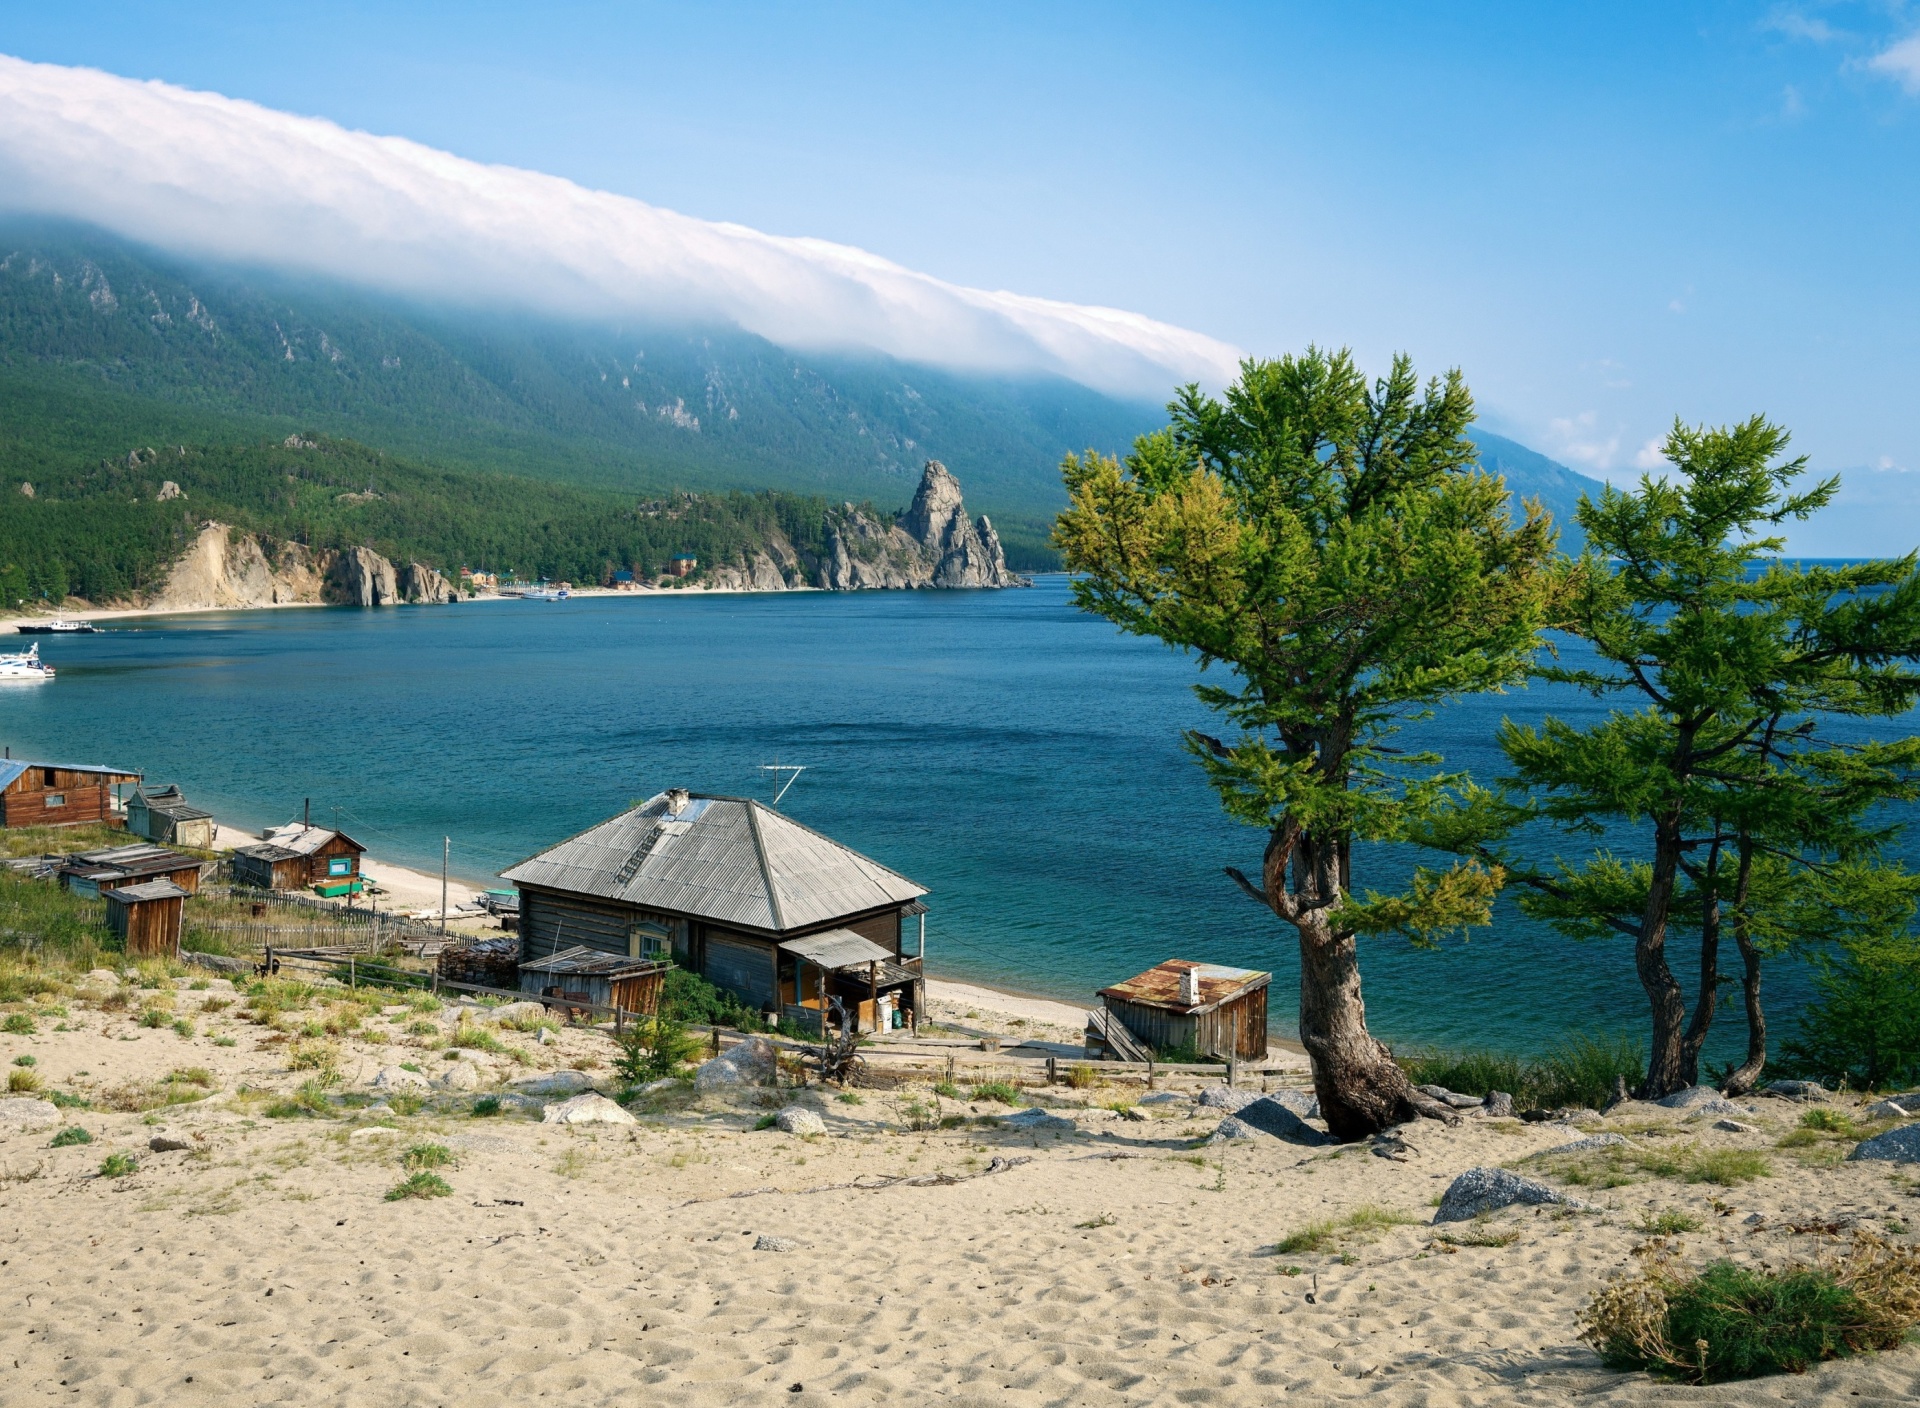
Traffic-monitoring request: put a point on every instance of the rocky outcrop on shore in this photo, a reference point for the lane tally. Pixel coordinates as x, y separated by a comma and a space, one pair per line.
223, 569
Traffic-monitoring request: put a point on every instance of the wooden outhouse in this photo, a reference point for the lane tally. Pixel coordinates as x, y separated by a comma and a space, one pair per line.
1206, 1008
97, 872
147, 917
584, 974
298, 857
59, 794
784, 918
162, 814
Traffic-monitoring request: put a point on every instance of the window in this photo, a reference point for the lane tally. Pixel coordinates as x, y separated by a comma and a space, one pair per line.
49, 777
56, 799
340, 865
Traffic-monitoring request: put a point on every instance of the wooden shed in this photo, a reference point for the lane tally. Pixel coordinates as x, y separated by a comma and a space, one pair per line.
1206, 1008
162, 814
298, 856
583, 974
97, 872
147, 918
59, 794
774, 912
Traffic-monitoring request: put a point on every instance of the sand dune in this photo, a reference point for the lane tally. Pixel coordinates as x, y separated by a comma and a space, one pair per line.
1119, 1265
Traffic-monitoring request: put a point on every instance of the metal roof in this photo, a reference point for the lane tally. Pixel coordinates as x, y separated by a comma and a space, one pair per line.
142, 859
304, 840
147, 890
729, 859
12, 768
838, 948
593, 962
1159, 986
267, 853
167, 801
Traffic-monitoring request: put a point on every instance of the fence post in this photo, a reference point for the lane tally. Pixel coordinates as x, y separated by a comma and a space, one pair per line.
1149, 1073
1050, 1072
353, 979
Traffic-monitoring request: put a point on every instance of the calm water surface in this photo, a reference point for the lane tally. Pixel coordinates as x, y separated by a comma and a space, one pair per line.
1019, 758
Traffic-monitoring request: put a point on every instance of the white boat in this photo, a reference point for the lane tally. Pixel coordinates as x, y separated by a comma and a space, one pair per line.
543, 592
58, 627
25, 665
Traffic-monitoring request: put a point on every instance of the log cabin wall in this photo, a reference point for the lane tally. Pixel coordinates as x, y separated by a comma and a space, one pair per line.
550, 922
740, 963
318, 870
43, 796
149, 928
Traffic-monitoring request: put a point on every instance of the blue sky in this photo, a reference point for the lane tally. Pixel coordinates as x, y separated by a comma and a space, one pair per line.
1606, 215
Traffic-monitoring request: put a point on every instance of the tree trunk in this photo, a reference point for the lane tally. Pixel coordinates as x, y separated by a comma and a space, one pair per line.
1748, 1071
1664, 1060
1362, 1091
1707, 997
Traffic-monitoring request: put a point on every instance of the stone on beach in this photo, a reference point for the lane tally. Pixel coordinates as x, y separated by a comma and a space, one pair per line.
1498, 1105
1736, 1127
1799, 1089
1269, 1116
1898, 1146
586, 1109
798, 1119
462, 1075
1702, 1098
1450, 1097
556, 1083
1483, 1190
165, 1144
399, 1078
1590, 1143
519, 1012
1039, 1121
752, 1062
1895, 1107
28, 1113
765, 1243
1302, 1102
1219, 1097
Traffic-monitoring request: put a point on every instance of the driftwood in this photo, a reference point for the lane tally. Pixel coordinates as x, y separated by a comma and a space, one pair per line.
873, 1185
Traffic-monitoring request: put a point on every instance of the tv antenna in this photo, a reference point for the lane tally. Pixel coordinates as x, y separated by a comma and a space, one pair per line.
780, 786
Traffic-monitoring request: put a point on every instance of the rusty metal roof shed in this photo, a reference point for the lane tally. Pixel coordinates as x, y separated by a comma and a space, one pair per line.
1159, 986
581, 960
728, 859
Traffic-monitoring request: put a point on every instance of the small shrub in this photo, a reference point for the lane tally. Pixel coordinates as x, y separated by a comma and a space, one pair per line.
1082, 1076
420, 1185
194, 1075
1729, 1322
154, 1017
1829, 1121
314, 1056
309, 1101
654, 1050
119, 1166
426, 1156
1105, 1219
225, 1041
18, 1024
22, 1081
1669, 1223
183, 1028
25, 1061
1005, 1092
70, 1136
473, 1037
406, 1102
423, 1029
1323, 1234
765, 1122
486, 1106
946, 1089
69, 1102
850, 1097
216, 1004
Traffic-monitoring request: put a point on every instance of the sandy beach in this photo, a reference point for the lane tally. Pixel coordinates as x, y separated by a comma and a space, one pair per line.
696, 1259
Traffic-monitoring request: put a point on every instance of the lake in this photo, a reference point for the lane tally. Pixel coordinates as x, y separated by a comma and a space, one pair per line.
1021, 759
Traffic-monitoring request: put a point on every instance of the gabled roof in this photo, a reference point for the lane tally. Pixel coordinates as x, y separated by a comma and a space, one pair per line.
304, 840
12, 768
728, 859
167, 801
1159, 986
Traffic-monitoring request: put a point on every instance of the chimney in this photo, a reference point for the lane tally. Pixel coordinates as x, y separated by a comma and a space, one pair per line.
1190, 988
677, 799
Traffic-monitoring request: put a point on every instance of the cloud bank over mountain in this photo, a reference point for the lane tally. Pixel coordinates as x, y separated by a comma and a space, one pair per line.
209, 176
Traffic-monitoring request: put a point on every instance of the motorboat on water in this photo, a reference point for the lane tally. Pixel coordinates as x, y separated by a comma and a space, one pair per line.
58, 627
25, 665
559, 591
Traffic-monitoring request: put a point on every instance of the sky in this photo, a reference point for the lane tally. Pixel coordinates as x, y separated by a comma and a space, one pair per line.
1606, 216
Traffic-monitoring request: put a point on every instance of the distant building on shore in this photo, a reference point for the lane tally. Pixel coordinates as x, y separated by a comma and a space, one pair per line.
97, 872
786, 919
1206, 1009
298, 856
162, 814
682, 565
59, 794
147, 918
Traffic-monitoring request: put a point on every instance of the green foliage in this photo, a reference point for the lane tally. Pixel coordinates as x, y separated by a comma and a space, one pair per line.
25, 1059
420, 1185
426, 1156
691, 1000
18, 1024
1001, 1091
119, 1166
1577, 1071
1327, 1233
654, 1049
71, 1135
486, 1107
1862, 1030
1669, 1222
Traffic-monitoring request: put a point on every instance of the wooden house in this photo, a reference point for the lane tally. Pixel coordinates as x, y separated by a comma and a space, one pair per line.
147, 917
97, 872
788, 920
298, 857
1205, 1008
583, 974
59, 794
162, 814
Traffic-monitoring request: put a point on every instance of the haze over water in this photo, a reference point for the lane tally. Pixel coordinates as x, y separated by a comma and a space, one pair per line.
1021, 759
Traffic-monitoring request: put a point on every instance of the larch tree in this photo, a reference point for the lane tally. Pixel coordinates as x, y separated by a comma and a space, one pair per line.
1332, 546
1732, 668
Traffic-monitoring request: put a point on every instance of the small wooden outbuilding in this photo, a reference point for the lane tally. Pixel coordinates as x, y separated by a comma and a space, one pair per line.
583, 974
147, 918
58, 794
162, 814
298, 856
97, 872
1206, 1008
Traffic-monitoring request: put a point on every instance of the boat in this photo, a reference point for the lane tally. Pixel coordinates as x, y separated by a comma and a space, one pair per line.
58, 627
25, 665
543, 592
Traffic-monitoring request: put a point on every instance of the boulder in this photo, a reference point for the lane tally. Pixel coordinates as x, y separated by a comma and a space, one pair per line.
28, 1113
1736, 1127
165, 1144
1450, 1097
798, 1119
462, 1075
1038, 1121
1165, 1097
1232, 1127
1483, 1190
1715, 1107
1591, 1143
555, 1083
1799, 1089
752, 1062
765, 1243
586, 1109
1896, 1146
1695, 1097
1218, 1097
1302, 1102
1894, 1107
399, 1078
1498, 1105
1269, 1116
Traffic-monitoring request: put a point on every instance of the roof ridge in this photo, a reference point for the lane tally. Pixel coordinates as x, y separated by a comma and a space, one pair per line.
760, 854
839, 845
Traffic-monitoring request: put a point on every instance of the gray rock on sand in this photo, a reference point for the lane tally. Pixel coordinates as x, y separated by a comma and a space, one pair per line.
1224, 1097
1736, 1127
1039, 1121
1164, 1097
163, 1144
1702, 1100
1897, 1146
560, 1083
520, 1012
1498, 1105
1895, 1107
1302, 1102
1798, 1089
1483, 1190
1450, 1097
1233, 1128
28, 1113
797, 1119
1590, 1144
764, 1243
462, 1075
399, 1078
1270, 1117
586, 1109
752, 1062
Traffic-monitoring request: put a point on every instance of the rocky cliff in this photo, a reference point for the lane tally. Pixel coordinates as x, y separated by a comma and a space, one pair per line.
223, 569
932, 544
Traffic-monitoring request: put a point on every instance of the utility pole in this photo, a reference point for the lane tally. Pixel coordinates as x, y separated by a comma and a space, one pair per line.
446, 849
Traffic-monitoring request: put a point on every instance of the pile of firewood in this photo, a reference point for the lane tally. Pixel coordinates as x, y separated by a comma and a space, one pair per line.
489, 963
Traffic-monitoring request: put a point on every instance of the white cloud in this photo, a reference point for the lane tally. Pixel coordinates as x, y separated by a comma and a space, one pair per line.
1900, 62
1796, 25
1577, 439
1650, 455
206, 175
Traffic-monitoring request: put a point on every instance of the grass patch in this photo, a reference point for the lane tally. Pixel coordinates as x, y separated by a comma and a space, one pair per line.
70, 1136
420, 1185
1669, 1222
1004, 1092
1687, 1163
308, 1102
1830, 1121
473, 1037
1082, 1076
312, 1055
1104, 1220
426, 1156
1480, 1234
25, 1061
22, 1080
946, 1089
119, 1166
18, 1024
155, 1018
486, 1107
1729, 1322
1576, 1072
1367, 1220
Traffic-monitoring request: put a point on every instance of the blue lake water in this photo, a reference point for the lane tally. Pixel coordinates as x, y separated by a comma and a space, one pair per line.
1019, 758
